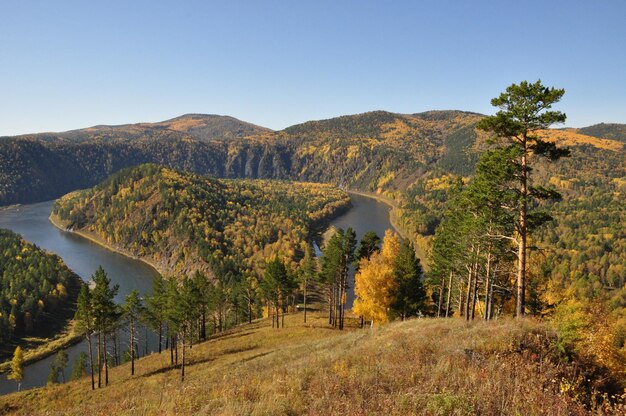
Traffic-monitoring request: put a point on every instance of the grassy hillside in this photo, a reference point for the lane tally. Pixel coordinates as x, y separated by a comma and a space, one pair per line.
182, 222
428, 366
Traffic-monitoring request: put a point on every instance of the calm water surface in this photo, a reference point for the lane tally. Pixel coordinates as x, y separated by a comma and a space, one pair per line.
84, 257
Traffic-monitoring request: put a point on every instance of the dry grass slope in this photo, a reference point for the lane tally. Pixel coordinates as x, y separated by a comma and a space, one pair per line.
429, 367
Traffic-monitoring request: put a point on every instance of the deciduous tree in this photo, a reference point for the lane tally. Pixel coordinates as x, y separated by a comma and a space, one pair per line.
17, 367
375, 283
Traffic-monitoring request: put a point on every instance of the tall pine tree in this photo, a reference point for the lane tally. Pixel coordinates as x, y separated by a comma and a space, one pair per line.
524, 111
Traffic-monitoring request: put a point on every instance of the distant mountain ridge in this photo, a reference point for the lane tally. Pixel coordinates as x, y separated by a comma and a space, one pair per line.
612, 131
204, 127
376, 151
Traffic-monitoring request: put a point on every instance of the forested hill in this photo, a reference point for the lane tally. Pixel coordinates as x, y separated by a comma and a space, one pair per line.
376, 151
611, 131
183, 222
37, 291
204, 127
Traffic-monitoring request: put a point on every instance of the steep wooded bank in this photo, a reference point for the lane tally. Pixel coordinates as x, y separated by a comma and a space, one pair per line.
37, 292
425, 366
182, 222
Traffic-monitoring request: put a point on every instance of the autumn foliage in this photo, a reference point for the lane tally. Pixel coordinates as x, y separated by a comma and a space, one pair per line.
375, 284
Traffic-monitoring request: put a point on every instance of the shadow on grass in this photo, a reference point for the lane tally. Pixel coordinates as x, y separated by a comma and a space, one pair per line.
254, 357
230, 336
238, 350
193, 362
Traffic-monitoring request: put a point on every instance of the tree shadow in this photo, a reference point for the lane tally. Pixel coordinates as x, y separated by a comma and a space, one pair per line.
192, 362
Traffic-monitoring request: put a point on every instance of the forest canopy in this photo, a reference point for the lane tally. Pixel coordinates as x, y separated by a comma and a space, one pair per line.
183, 222
34, 286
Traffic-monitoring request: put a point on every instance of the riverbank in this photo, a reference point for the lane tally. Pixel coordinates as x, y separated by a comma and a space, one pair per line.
58, 223
46, 346
8, 207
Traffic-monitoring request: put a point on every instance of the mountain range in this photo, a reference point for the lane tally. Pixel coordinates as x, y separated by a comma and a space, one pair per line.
375, 152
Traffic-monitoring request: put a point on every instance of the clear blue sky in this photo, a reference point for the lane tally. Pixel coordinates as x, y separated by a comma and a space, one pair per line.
67, 65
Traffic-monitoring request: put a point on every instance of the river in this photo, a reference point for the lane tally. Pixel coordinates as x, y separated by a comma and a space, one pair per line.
84, 257
366, 214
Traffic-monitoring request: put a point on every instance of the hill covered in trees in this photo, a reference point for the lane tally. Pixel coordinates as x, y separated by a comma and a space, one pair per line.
367, 151
611, 131
182, 222
375, 151
37, 291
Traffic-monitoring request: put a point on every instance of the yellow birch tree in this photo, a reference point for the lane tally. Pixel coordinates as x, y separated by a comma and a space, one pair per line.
375, 283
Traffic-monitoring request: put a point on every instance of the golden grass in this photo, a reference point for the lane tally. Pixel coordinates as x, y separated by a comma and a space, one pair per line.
428, 366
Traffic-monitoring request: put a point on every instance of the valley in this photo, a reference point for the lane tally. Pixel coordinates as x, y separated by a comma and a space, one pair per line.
164, 219
84, 256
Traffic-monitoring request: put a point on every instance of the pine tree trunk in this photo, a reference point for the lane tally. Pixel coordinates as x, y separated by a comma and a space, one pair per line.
106, 361
475, 291
449, 295
468, 292
330, 305
490, 316
171, 350
203, 326
440, 303
132, 348
334, 323
305, 282
115, 356
341, 294
487, 285
521, 253
460, 285
182, 367
90, 348
99, 360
